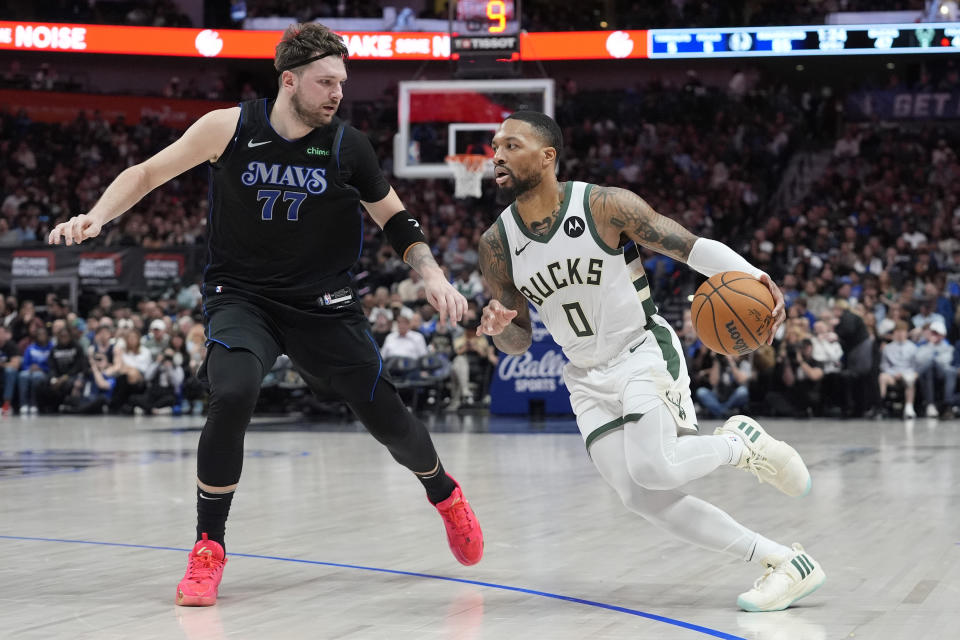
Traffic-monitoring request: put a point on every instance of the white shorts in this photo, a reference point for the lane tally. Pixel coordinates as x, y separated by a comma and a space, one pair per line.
648, 372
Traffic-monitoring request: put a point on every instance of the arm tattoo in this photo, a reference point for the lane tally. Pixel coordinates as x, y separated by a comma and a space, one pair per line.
419, 256
629, 214
518, 335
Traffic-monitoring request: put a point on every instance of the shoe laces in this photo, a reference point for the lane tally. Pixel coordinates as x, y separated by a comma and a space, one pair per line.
756, 464
781, 569
766, 574
459, 515
201, 566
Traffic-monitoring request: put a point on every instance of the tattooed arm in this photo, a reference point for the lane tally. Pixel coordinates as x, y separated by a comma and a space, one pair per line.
618, 211
507, 316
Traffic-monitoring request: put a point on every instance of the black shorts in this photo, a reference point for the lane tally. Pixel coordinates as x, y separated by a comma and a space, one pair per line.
332, 349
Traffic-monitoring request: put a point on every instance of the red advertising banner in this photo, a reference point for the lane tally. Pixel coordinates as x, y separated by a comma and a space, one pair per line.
48, 106
583, 45
232, 43
209, 43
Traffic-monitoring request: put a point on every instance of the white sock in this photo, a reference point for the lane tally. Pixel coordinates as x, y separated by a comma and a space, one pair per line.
735, 443
764, 547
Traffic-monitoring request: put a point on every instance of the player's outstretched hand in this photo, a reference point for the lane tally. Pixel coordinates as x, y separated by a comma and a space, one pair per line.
779, 308
75, 230
495, 319
445, 299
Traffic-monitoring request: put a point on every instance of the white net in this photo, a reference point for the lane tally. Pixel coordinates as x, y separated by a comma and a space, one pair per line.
467, 174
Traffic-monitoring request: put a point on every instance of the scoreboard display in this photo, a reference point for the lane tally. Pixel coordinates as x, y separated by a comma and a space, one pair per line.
736, 42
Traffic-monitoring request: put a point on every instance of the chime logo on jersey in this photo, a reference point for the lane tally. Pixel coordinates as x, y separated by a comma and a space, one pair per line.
574, 226
313, 179
560, 276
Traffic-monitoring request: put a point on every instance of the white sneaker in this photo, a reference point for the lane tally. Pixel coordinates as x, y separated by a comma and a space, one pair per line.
785, 581
771, 460
932, 411
33, 410
908, 412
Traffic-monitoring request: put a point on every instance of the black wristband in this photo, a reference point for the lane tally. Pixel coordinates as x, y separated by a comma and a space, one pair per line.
403, 231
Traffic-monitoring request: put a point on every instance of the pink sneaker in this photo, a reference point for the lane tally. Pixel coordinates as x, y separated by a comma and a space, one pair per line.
204, 571
463, 529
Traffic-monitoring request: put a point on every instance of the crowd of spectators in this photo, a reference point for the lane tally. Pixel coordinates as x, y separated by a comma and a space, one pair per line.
141, 13
547, 15
537, 15
115, 358
872, 243
870, 266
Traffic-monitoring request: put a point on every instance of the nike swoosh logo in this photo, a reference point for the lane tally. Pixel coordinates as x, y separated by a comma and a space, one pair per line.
206, 497
634, 347
520, 250
252, 144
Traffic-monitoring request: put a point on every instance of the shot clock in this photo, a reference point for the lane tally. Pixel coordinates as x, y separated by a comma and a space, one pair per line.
485, 37
485, 17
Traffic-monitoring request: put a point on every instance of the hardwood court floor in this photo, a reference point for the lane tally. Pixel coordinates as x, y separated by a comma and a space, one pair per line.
329, 538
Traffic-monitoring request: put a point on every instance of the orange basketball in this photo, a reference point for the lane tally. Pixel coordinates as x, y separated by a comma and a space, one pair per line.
733, 313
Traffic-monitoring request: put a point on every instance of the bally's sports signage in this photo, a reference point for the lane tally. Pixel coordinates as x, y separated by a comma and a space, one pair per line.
533, 378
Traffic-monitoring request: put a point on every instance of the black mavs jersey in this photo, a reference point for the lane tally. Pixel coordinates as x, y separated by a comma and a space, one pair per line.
285, 219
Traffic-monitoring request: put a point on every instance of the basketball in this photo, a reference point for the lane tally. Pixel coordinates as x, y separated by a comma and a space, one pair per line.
733, 313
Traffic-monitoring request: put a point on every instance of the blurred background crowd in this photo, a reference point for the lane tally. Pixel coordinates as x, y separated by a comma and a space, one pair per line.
857, 220
538, 15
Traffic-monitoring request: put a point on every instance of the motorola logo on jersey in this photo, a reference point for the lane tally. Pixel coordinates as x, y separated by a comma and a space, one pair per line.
313, 179
574, 226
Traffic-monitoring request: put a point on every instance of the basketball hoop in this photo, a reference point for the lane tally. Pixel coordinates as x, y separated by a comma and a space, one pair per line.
467, 174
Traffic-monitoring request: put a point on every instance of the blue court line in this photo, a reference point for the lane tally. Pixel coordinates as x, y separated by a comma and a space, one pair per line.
492, 585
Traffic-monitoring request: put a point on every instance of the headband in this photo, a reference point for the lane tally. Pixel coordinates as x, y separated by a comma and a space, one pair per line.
300, 63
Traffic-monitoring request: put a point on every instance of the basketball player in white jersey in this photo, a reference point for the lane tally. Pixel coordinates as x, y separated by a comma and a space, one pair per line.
558, 247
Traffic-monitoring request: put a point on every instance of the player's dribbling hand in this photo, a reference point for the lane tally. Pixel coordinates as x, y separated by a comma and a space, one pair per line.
75, 230
779, 308
495, 319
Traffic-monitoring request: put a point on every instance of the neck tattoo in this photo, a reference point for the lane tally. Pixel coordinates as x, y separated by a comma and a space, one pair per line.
542, 227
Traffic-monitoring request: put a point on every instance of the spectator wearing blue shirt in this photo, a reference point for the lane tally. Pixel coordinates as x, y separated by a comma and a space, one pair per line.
34, 370
927, 314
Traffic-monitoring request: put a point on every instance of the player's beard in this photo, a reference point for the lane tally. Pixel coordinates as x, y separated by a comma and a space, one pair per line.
313, 118
517, 187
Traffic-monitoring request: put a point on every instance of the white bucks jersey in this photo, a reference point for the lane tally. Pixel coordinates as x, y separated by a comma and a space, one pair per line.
591, 299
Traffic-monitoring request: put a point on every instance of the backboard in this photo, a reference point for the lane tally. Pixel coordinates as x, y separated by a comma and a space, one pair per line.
441, 118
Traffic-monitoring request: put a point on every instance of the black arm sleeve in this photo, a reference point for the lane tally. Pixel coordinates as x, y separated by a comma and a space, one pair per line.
359, 167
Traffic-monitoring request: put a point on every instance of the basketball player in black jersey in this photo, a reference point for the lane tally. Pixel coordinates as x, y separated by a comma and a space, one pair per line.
287, 179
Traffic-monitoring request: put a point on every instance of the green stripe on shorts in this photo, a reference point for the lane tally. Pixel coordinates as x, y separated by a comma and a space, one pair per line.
604, 429
670, 354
